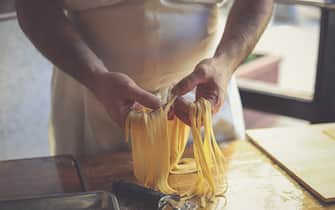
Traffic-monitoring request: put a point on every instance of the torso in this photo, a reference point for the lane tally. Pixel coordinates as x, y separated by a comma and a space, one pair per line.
156, 42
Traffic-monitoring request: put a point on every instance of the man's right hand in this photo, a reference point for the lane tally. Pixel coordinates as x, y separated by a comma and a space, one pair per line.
119, 93
54, 35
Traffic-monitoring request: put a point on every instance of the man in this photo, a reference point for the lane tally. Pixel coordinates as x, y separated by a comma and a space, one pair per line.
111, 55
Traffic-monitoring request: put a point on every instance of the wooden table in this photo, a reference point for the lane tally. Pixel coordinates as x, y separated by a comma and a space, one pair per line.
255, 182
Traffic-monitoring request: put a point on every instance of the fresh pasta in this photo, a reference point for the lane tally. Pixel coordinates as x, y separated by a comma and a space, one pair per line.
158, 145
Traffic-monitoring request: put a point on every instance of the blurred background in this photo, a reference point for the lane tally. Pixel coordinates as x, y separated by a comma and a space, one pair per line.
284, 61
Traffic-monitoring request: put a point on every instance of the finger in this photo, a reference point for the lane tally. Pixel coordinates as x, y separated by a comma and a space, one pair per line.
144, 98
182, 109
171, 113
137, 107
199, 76
213, 98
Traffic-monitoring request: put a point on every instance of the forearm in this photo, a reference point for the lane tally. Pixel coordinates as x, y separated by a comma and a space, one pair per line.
246, 22
46, 25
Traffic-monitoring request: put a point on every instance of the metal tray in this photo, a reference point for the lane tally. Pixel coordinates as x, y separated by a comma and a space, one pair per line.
78, 201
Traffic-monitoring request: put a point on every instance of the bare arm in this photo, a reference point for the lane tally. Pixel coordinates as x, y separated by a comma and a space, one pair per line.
53, 34
46, 25
246, 22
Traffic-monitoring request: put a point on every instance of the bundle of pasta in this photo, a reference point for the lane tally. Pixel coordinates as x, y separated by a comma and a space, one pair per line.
158, 145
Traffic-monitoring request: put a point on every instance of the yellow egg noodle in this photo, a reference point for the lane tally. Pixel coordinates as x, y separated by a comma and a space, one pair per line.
158, 145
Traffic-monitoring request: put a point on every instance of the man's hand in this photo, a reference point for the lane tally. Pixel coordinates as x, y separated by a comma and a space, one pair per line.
119, 94
240, 36
210, 83
54, 35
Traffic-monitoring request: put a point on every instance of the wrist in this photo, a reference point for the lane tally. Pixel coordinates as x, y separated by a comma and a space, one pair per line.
224, 66
91, 77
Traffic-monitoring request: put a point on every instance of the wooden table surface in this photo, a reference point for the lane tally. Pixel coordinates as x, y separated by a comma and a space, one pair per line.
255, 182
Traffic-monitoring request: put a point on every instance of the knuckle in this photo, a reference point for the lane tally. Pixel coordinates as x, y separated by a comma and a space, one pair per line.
129, 87
130, 84
203, 71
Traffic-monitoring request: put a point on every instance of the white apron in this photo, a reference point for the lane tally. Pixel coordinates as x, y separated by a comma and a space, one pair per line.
156, 43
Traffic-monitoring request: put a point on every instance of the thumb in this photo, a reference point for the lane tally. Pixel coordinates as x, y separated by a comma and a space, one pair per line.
187, 84
145, 98
182, 109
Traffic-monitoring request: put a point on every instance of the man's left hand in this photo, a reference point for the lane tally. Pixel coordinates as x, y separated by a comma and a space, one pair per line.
210, 82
